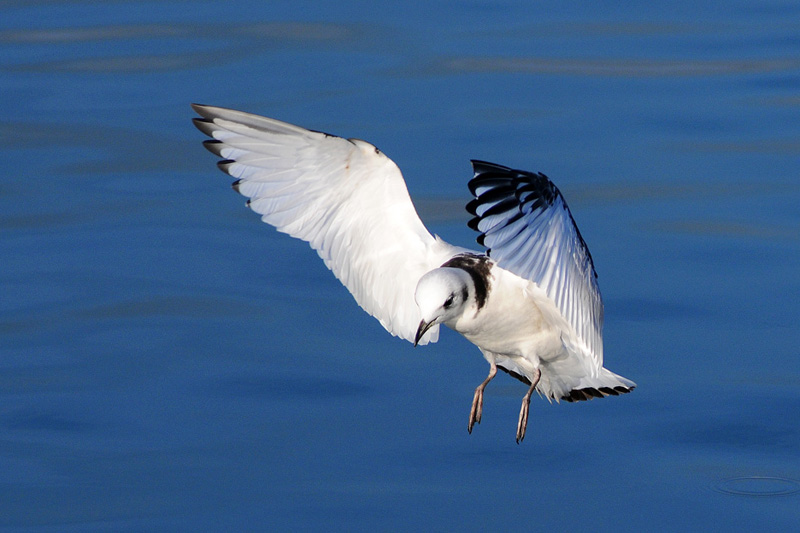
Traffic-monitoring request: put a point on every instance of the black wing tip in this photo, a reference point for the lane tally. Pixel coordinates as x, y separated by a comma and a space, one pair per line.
481, 168
224, 165
479, 165
472, 208
208, 111
214, 146
484, 172
493, 175
205, 111
205, 125
528, 189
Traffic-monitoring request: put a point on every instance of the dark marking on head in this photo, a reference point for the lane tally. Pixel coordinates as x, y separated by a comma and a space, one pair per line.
478, 267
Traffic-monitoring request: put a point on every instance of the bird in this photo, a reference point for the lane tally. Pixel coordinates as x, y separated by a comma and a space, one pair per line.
529, 300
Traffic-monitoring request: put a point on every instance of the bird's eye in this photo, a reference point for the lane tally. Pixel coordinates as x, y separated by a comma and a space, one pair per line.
449, 301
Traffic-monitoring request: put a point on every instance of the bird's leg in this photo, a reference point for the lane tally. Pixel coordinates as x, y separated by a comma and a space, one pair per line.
477, 400
526, 402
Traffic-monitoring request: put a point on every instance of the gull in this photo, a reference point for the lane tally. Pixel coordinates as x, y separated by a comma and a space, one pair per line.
530, 302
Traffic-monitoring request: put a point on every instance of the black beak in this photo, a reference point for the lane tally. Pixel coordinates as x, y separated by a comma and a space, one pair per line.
423, 327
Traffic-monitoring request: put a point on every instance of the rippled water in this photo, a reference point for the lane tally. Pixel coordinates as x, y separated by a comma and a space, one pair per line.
167, 362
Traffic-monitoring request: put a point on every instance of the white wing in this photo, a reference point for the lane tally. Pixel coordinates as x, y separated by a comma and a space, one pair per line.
528, 229
344, 197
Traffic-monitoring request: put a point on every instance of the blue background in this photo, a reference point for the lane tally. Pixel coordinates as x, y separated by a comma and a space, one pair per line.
169, 363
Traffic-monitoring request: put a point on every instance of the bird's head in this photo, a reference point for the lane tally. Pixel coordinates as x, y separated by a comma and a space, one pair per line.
442, 296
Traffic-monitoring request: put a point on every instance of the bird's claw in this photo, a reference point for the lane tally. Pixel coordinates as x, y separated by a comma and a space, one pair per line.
477, 409
522, 425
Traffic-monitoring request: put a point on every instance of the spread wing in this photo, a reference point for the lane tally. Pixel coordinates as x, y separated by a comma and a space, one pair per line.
342, 196
527, 228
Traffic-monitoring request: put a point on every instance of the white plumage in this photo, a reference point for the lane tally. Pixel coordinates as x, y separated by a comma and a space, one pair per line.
531, 303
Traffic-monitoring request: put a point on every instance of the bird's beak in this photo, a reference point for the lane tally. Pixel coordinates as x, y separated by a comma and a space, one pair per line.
423, 327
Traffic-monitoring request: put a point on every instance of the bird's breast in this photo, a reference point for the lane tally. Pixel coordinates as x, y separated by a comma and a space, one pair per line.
510, 323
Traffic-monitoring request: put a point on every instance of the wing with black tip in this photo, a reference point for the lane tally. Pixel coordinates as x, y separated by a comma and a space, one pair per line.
527, 229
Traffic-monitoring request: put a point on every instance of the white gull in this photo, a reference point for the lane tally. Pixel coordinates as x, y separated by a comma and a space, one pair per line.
530, 303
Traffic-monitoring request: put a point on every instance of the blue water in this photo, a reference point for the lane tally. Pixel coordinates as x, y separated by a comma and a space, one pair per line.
169, 363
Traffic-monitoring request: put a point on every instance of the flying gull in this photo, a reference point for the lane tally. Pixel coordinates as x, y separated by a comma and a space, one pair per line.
530, 302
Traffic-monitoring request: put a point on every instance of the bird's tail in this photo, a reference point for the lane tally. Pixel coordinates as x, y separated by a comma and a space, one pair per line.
606, 384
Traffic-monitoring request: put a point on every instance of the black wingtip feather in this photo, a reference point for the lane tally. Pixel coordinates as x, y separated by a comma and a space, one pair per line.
527, 190
204, 125
472, 207
225, 164
214, 146
501, 207
484, 172
202, 110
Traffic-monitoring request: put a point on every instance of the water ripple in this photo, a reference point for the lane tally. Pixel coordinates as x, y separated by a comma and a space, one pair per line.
611, 67
221, 42
758, 486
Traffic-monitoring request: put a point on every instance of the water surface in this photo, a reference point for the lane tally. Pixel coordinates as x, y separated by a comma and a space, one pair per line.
167, 362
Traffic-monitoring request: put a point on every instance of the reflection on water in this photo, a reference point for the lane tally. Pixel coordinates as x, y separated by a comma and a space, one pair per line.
114, 49
770, 147
758, 486
453, 211
170, 363
733, 229
286, 388
282, 33
612, 67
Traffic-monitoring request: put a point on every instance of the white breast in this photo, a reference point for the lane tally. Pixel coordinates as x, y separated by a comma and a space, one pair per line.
512, 322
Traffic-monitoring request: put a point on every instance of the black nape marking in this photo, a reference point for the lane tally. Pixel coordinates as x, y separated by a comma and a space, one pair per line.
478, 267
464, 294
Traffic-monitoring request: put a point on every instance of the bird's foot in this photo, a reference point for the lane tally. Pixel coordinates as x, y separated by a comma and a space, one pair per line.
523, 418
477, 400
477, 409
522, 425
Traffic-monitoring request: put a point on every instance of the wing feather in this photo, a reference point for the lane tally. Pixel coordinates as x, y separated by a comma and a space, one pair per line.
342, 196
527, 228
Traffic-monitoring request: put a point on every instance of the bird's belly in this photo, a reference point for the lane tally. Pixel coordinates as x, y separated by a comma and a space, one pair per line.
511, 324
523, 336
